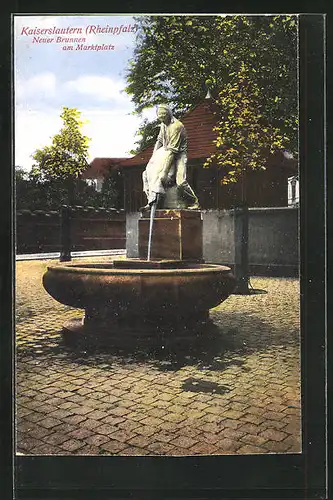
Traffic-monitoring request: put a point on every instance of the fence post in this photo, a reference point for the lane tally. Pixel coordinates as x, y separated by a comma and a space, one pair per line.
66, 244
241, 233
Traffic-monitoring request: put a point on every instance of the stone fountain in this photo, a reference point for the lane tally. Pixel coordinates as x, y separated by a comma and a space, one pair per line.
132, 300
166, 293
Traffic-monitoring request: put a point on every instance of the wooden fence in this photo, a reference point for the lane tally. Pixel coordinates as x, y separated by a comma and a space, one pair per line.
78, 228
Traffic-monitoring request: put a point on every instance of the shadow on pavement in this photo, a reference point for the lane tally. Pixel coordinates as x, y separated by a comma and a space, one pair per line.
205, 386
224, 341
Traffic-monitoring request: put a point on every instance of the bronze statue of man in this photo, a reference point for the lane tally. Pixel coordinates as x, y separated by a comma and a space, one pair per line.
167, 165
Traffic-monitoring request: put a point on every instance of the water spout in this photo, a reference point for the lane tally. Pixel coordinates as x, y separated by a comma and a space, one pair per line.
152, 215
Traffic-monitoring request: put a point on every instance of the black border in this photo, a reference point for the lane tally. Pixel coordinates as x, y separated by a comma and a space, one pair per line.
260, 476
6, 267
312, 230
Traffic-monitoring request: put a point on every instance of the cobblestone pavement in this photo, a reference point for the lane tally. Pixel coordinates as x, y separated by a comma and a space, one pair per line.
237, 395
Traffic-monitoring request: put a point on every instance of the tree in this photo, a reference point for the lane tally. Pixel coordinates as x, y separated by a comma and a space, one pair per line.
112, 190
245, 137
110, 195
67, 157
176, 57
32, 194
22, 188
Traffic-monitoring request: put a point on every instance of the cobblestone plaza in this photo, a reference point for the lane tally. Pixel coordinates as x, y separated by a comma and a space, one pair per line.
239, 396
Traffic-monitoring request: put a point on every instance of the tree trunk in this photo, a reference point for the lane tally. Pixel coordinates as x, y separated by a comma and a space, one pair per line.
241, 229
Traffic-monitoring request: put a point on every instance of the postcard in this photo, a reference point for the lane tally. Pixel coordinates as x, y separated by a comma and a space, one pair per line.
176, 135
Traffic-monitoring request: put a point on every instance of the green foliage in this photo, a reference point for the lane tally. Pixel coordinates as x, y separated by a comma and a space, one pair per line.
55, 177
66, 157
34, 194
147, 133
177, 57
20, 174
112, 190
111, 194
244, 136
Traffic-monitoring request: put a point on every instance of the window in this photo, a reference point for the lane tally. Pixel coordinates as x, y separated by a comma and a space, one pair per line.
96, 183
293, 191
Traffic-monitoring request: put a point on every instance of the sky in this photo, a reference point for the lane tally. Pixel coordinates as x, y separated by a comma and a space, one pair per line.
48, 76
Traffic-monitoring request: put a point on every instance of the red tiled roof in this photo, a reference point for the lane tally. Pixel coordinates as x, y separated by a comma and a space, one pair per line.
199, 123
101, 166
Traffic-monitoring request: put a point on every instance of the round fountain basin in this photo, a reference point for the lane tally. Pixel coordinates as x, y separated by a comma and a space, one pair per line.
121, 292
139, 300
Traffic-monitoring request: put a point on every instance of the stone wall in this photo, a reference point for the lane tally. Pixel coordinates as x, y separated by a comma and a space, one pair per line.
39, 231
273, 247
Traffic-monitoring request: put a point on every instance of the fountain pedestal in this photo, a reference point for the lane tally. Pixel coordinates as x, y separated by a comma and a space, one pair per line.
177, 235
